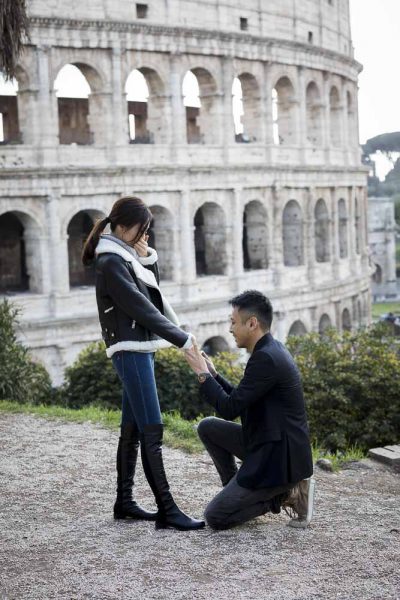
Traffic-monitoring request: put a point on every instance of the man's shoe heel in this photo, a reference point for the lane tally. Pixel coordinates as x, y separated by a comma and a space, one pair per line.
302, 523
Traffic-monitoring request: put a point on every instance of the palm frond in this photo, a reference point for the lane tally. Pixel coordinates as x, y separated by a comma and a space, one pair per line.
14, 25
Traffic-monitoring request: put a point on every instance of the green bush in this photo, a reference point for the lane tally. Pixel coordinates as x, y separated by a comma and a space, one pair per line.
21, 379
92, 380
351, 386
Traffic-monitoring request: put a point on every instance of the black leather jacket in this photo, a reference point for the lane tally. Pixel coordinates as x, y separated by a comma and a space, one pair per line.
130, 312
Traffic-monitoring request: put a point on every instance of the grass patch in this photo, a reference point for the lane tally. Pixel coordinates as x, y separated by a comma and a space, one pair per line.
338, 459
381, 308
179, 433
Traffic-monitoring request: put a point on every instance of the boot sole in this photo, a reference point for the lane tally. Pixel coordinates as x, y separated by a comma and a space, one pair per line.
179, 528
130, 518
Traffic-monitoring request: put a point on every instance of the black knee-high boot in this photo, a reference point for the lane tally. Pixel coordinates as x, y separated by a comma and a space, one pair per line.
169, 515
125, 507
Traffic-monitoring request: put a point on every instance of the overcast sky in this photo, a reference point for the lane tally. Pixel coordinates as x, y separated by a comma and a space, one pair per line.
376, 39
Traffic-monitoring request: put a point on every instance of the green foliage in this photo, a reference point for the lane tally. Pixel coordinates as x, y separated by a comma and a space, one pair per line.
21, 379
92, 380
385, 142
351, 386
177, 385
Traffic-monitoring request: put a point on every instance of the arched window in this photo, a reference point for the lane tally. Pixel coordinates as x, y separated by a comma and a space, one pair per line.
314, 115
346, 320
78, 230
214, 345
334, 109
199, 97
283, 112
322, 249
297, 328
246, 108
137, 95
73, 91
324, 324
377, 275
210, 240
343, 244
9, 123
13, 271
255, 236
161, 238
292, 231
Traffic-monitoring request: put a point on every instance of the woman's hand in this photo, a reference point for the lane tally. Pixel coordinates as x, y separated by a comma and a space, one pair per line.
141, 246
195, 359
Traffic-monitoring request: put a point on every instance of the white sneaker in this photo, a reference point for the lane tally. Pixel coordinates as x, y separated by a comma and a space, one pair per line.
301, 503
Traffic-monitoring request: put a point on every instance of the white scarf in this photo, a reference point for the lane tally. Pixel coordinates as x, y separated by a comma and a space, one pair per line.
108, 245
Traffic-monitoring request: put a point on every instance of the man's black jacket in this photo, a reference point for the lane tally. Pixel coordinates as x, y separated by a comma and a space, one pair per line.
269, 401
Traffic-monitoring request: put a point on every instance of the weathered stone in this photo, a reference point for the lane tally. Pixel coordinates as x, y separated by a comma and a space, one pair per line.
325, 464
389, 455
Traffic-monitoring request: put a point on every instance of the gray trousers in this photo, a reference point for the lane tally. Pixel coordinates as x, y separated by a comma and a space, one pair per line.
233, 504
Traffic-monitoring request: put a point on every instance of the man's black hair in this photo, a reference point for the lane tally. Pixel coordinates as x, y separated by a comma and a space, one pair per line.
252, 302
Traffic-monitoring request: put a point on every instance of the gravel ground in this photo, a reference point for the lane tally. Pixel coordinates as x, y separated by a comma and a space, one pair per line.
59, 540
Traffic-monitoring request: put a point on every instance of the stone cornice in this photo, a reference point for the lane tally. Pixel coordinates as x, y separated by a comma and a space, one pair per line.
177, 33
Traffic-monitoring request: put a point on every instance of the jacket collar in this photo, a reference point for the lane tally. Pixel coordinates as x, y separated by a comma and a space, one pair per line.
265, 339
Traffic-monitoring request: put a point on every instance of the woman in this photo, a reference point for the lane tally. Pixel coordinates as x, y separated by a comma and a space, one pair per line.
136, 320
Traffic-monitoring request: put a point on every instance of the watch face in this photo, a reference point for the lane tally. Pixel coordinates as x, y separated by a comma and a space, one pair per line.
202, 377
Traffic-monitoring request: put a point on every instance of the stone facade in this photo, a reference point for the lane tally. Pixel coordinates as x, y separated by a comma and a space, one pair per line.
382, 243
280, 205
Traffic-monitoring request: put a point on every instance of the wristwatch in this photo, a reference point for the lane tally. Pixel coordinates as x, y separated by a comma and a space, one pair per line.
203, 376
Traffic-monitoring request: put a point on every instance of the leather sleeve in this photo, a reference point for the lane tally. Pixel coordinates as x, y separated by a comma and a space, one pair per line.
124, 292
259, 377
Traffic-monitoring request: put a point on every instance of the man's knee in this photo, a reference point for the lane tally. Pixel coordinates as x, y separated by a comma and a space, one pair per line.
204, 427
214, 518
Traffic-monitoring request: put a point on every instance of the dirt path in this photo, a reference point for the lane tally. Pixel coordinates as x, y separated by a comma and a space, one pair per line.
59, 541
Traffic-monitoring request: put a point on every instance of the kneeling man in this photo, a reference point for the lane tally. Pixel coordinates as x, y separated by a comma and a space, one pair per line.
272, 440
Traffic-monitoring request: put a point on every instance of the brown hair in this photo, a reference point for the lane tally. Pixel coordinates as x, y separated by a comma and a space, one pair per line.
127, 211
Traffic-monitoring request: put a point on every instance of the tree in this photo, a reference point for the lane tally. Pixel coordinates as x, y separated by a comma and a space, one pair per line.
13, 32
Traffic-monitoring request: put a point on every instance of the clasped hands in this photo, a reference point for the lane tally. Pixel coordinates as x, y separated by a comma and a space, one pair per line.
199, 361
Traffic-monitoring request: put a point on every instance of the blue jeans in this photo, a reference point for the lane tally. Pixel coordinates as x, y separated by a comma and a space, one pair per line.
140, 404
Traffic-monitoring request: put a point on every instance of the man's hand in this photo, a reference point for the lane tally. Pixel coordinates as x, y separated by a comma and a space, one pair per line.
195, 359
210, 364
141, 246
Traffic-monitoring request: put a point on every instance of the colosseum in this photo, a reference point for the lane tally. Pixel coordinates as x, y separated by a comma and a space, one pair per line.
235, 121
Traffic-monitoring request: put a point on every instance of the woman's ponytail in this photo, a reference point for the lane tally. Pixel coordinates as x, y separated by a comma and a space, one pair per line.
92, 241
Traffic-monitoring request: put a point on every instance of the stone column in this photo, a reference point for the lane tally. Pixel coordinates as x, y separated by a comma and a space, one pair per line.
228, 132
177, 107
351, 231
119, 104
326, 116
266, 100
47, 101
309, 236
276, 258
237, 235
57, 252
334, 231
302, 109
188, 273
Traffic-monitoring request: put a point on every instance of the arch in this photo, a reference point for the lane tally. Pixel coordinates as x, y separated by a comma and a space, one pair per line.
313, 114
9, 120
377, 274
147, 106
199, 91
73, 91
342, 214
255, 236
78, 230
324, 324
321, 232
284, 113
210, 240
246, 105
335, 116
346, 320
161, 237
292, 233
297, 328
214, 345
20, 253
